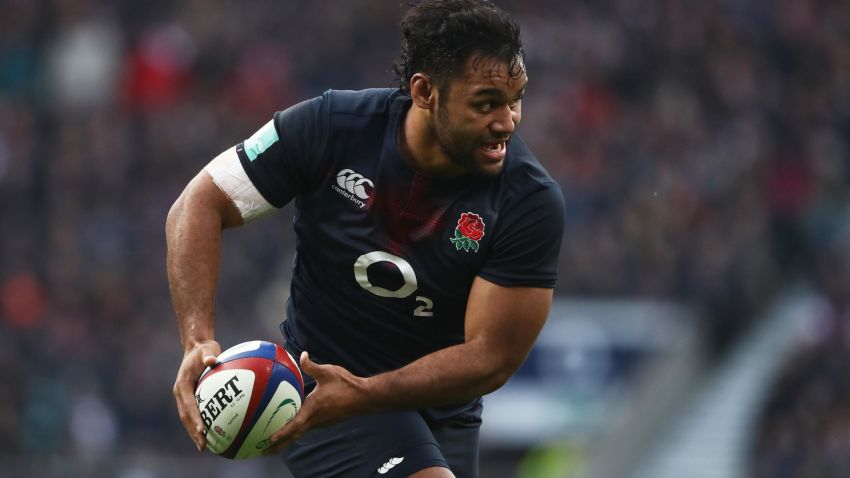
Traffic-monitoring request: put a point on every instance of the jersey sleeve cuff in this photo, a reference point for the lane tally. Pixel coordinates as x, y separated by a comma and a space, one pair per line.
252, 175
519, 282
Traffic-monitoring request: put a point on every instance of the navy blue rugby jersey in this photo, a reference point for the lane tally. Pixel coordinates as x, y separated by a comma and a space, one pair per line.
385, 255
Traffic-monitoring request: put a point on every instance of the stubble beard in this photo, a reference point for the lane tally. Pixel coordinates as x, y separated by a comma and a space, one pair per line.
460, 156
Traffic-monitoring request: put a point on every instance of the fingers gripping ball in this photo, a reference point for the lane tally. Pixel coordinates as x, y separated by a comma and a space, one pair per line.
253, 389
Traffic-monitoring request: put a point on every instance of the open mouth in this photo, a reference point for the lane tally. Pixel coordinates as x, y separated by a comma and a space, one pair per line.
494, 151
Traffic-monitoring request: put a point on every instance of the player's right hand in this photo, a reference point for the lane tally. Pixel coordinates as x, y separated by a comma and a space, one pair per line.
195, 359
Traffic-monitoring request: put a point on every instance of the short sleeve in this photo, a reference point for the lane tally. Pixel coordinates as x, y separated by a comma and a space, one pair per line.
528, 241
282, 157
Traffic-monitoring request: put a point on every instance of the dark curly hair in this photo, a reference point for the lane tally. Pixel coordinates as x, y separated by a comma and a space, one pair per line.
440, 35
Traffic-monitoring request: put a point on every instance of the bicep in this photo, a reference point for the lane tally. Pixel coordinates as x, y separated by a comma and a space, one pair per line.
506, 319
202, 200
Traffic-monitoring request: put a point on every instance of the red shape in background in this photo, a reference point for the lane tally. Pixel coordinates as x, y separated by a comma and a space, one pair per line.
23, 300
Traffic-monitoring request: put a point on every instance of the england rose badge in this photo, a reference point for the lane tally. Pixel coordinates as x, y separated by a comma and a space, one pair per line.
469, 230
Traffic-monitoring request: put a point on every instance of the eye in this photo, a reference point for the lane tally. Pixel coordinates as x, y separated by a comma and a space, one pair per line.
484, 107
514, 105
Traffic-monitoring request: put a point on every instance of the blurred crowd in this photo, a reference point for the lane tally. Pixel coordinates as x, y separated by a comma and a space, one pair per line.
804, 427
701, 146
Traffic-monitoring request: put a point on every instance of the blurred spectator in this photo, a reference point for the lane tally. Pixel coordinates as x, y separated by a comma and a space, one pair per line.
82, 64
159, 69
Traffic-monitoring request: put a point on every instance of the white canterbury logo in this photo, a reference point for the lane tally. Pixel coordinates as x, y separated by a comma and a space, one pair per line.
390, 465
353, 187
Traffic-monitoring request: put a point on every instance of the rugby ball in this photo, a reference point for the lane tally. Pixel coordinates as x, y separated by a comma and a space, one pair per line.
253, 389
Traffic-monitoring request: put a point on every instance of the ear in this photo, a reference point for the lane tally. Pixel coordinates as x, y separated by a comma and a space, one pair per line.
423, 91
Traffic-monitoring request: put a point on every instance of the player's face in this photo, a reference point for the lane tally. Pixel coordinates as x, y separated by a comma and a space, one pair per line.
478, 112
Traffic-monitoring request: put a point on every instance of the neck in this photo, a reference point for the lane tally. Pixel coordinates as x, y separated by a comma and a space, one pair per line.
419, 146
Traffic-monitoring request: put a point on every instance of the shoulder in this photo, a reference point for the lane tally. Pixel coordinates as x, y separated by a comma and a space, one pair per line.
523, 176
336, 104
364, 110
370, 102
340, 111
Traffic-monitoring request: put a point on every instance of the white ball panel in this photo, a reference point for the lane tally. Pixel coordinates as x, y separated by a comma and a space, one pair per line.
223, 400
238, 349
284, 404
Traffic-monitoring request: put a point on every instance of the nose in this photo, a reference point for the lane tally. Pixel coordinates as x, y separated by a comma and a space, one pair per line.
505, 121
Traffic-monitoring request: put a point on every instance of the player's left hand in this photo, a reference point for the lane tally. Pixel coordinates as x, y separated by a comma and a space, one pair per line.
338, 395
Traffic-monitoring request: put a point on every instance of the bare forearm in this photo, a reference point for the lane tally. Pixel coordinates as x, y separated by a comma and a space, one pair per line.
501, 327
193, 233
451, 375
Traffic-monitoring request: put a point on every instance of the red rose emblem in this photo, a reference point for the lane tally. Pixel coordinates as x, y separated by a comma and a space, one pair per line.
469, 230
471, 226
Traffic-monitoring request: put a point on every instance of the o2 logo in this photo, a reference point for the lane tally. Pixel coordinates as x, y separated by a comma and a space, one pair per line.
426, 305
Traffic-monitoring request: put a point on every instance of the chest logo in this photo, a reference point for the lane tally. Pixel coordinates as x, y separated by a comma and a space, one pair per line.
353, 187
469, 230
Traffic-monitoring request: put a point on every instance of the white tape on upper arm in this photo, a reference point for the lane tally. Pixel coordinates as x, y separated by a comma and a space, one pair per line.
229, 175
